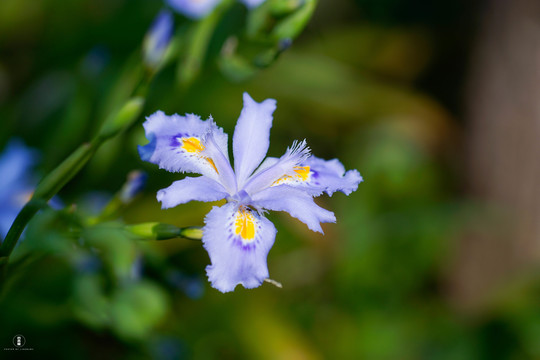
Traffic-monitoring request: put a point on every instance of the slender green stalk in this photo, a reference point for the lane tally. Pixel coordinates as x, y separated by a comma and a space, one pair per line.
20, 222
60, 176
24, 216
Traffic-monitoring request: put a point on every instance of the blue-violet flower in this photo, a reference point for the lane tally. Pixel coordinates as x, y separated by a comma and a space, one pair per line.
237, 235
197, 9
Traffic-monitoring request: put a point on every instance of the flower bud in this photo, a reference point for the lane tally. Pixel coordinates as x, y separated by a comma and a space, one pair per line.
158, 231
157, 39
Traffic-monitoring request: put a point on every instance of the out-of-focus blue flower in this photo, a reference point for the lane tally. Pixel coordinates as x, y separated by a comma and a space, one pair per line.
194, 9
135, 184
197, 9
237, 235
190, 285
157, 39
16, 184
252, 3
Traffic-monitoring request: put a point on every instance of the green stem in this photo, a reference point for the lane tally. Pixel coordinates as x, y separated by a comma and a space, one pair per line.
62, 174
24, 216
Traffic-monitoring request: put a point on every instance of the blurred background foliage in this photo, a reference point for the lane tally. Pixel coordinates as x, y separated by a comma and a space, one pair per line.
377, 84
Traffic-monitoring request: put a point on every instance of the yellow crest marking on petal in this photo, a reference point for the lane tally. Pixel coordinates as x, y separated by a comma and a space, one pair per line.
245, 224
302, 174
193, 145
213, 164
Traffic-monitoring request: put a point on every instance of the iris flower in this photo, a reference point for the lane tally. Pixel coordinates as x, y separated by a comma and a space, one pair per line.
197, 9
237, 235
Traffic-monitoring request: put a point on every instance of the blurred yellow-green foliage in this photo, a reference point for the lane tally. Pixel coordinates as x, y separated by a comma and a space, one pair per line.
374, 83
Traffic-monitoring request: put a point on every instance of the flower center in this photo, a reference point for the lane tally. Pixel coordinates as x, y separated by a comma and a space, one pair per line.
241, 197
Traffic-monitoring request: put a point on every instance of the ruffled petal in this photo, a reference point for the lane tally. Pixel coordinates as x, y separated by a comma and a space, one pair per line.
194, 9
238, 241
177, 142
316, 176
189, 189
298, 203
271, 170
252, 136
330, 176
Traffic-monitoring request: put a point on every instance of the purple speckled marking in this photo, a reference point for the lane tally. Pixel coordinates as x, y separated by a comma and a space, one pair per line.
174, 139
174, 142
315, 175
245, 247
